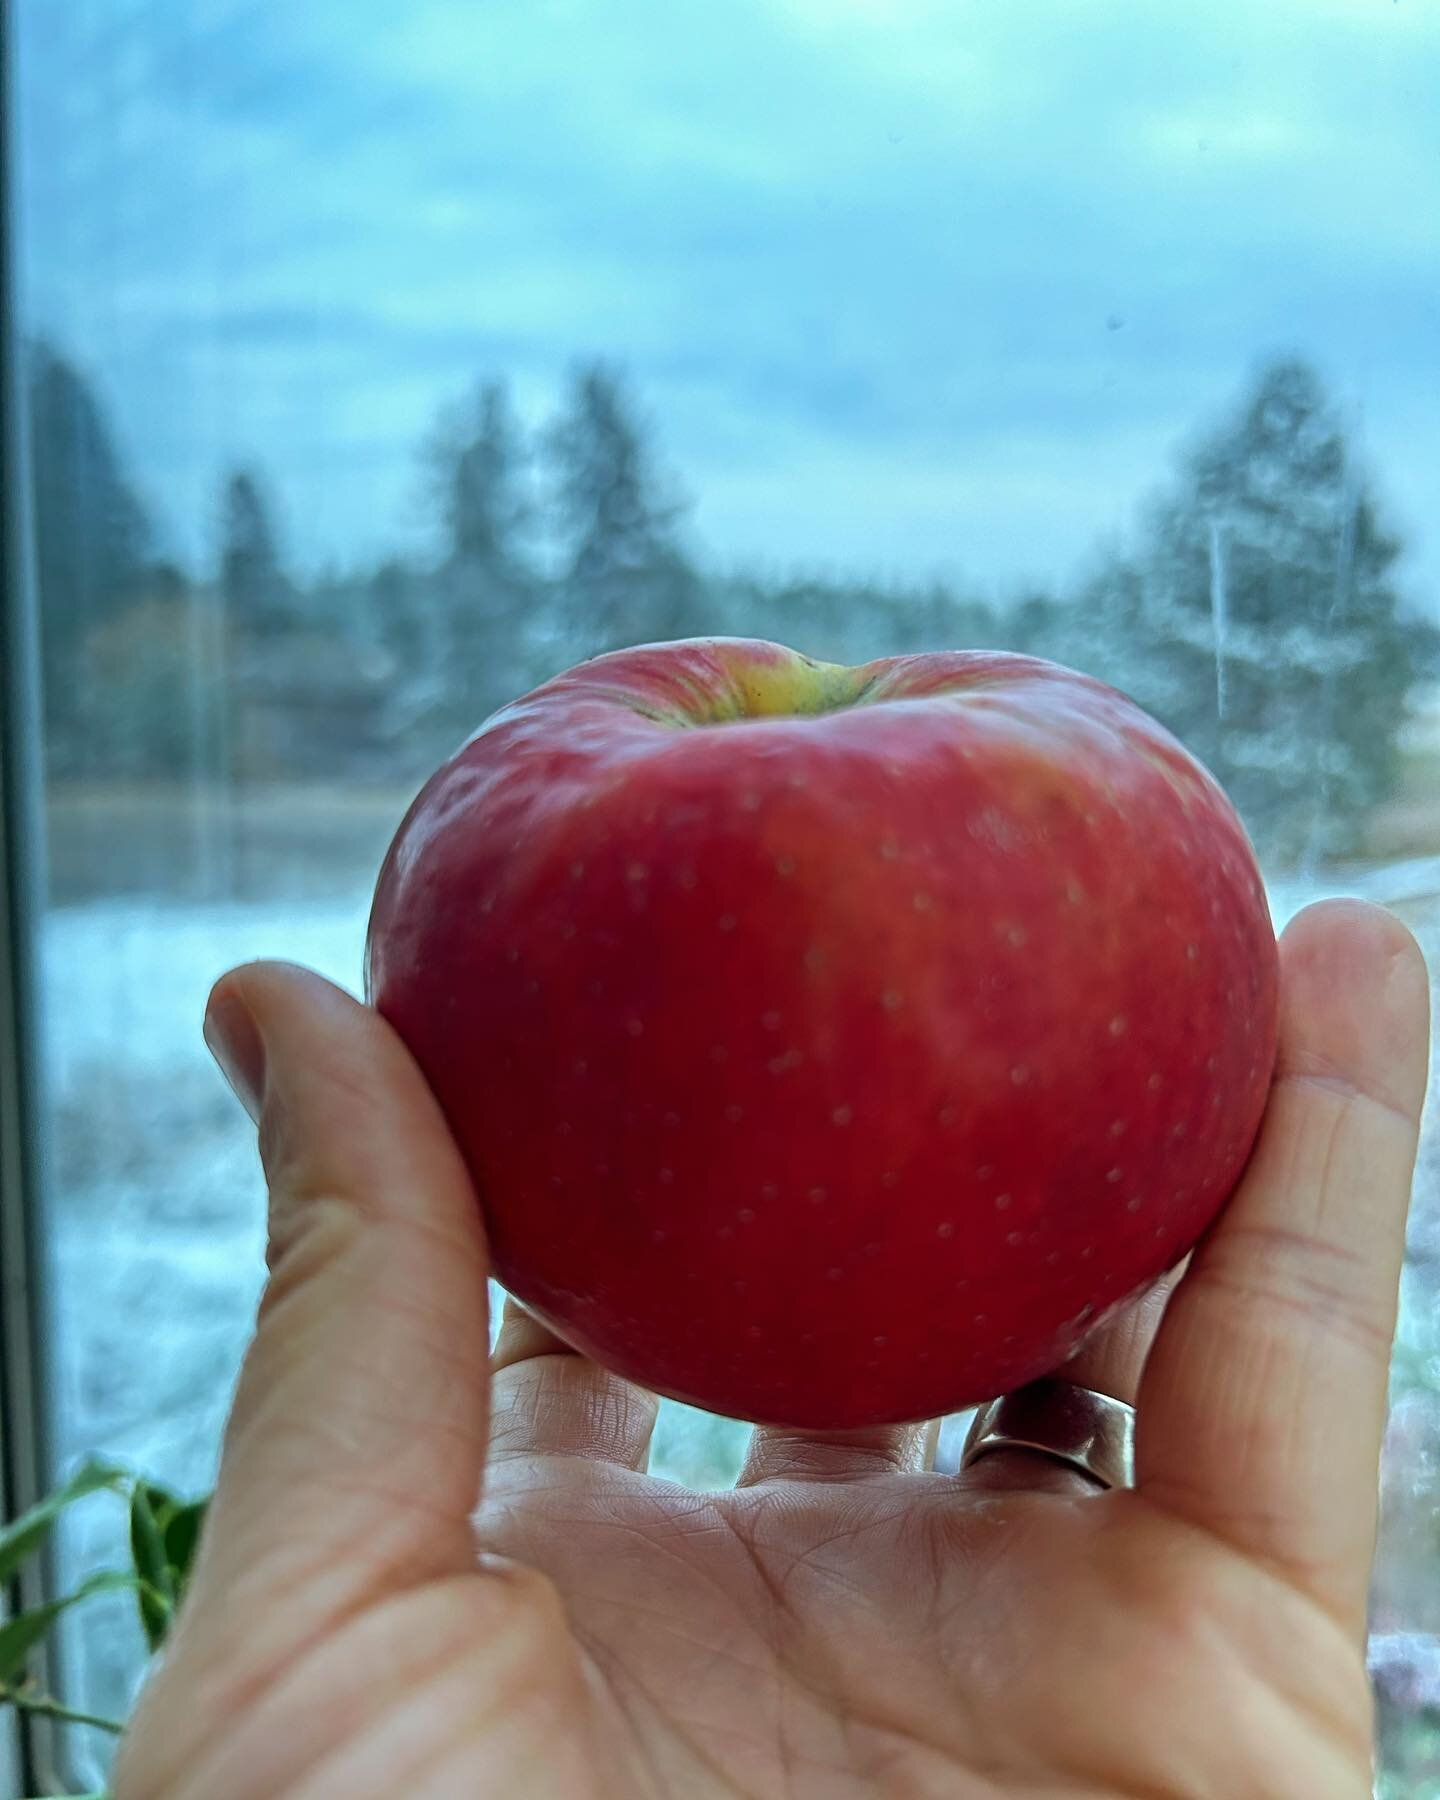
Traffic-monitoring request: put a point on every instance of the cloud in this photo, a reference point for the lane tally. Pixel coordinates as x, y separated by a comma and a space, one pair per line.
915, 267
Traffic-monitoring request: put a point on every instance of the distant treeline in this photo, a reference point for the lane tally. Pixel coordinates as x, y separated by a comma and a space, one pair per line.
1254, 611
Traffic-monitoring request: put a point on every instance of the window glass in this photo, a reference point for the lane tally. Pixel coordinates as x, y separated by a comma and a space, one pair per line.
381, 361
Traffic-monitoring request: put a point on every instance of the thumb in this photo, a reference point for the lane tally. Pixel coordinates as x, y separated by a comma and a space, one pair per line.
353, 1457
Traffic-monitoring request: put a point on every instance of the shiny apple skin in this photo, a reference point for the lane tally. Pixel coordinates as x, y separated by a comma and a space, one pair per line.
837, 1067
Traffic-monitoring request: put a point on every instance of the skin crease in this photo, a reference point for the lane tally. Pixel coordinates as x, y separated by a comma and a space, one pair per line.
844, 1625
948, 981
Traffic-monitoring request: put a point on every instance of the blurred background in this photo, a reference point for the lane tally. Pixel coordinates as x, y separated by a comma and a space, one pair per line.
381, 362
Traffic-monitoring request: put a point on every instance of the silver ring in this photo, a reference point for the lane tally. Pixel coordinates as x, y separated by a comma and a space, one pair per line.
1069, 1424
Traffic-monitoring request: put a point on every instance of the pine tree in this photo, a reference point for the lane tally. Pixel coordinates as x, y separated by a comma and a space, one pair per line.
93, 539
1278, 647
473, 629
259, 597
476, 460
626, 578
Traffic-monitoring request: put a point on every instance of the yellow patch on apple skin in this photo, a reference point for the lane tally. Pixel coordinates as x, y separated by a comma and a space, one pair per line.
791, 686
768, 681
725, 681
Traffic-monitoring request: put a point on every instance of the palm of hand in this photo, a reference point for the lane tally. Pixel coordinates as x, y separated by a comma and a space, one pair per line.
889, 1636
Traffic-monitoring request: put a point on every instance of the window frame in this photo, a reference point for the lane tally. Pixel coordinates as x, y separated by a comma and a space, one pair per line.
30, 1748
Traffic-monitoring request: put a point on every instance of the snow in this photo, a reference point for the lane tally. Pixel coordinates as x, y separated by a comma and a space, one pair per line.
1406, 887
124, 972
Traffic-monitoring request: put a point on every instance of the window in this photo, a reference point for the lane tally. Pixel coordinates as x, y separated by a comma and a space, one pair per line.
377, 361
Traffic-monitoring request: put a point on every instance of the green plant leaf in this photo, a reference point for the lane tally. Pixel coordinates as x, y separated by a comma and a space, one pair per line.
164, 1501
27, 1698
182, 1533
20, 1635
24, 1536
155, 1594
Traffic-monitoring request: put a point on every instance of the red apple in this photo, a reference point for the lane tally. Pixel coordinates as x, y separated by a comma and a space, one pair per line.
831, 1045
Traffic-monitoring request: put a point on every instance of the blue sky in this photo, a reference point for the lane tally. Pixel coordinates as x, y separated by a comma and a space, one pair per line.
907, 286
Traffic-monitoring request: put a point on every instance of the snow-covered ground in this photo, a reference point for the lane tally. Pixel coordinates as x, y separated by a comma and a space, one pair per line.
157, 1208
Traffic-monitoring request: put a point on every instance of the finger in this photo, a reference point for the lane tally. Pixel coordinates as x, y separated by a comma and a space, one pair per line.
1111, 1361
548, 1400
1264, 1401
777, 1454
354, 1451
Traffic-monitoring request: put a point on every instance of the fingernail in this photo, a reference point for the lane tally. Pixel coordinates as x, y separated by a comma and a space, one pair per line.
235, 1043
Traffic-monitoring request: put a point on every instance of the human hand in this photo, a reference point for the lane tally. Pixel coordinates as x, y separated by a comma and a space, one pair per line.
845, 1623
